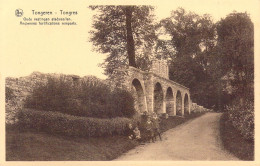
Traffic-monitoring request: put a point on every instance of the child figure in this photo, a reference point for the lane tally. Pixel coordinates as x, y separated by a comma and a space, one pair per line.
129, 131
149, 128
156, 126
137, 134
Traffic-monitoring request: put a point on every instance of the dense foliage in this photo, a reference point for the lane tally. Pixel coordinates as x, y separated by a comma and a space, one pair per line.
236, 56
193, 38
59, 123
9, 94
216, 57
89, 97
242, 118
236, 53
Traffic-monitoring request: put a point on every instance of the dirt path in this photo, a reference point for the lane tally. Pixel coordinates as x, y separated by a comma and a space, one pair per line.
195, 140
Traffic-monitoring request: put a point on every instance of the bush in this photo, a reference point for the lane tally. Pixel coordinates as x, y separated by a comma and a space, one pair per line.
242, 118
59, 123
123, 101
51, 96
89, 97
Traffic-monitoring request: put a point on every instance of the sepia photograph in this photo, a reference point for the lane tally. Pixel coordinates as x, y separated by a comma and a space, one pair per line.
154, 81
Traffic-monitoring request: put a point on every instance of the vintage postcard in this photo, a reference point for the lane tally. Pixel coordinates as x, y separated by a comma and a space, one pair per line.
133, 83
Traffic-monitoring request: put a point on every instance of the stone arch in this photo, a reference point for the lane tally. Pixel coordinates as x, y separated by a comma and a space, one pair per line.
158, 98
169, 101
186, 104
139, 96
178, 103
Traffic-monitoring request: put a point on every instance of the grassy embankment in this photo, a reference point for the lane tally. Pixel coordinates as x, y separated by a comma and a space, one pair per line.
38, 146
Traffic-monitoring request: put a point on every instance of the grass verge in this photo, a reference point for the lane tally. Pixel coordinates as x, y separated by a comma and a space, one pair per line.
35, 146
39, 146
234, 142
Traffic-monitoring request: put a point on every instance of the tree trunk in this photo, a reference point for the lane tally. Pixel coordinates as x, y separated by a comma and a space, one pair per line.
129, 36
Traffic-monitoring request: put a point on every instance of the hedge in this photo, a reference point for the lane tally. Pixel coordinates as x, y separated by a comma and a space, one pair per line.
59, 123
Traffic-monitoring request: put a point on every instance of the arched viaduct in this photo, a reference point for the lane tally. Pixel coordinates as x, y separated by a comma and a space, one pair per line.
154, 92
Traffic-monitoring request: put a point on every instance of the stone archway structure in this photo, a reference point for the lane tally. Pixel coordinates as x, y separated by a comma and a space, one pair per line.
169, 101
158, 98
186, 104
155, 92
178, 103
138, 94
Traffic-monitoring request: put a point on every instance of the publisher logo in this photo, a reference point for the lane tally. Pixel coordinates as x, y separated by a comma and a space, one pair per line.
19, 12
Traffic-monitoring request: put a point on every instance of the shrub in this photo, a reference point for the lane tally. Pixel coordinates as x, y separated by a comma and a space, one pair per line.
52, 96
242, 118
89, 97
123, 101
59, 123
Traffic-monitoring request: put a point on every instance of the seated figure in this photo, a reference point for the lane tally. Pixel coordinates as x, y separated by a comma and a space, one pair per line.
137, 133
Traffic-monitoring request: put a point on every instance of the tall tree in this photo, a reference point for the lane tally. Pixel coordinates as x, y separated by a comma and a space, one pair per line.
236, 51
125, 33
129, 36
193, 38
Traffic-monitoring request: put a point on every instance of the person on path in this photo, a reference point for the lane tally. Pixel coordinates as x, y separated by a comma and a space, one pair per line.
156, 126
149, 128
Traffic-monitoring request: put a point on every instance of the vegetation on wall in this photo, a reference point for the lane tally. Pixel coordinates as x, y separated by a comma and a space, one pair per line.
89, 97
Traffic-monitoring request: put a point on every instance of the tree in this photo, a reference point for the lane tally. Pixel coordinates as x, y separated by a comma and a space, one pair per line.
125, 33
190, 33
193, 38
236, 52
129, 35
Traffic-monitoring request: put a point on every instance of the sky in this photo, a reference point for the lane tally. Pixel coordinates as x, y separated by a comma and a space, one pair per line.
66, 49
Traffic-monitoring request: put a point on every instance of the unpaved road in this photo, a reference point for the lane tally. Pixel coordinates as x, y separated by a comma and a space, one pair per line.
197, 139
